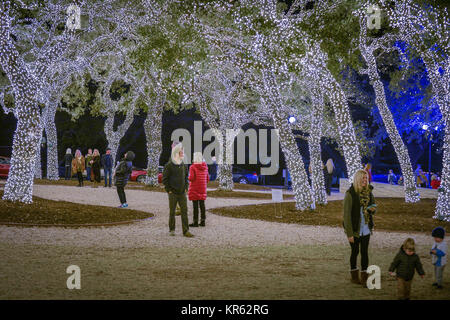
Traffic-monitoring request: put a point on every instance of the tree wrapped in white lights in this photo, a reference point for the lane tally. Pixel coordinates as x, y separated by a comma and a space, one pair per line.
367, 47
125, 104
218, 93
26, 83
166, 54
256, 39
306, 104
426, 30
315, 63
316, 164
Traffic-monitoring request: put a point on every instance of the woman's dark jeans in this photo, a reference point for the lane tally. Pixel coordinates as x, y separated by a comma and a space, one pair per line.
80, 177
68, 173
121, 193
202, 209
362, 242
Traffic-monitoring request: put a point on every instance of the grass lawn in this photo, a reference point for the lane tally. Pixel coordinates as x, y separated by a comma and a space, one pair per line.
393, 214
281, 272
43, 211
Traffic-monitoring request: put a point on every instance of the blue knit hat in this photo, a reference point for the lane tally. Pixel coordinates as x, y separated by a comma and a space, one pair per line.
438, 232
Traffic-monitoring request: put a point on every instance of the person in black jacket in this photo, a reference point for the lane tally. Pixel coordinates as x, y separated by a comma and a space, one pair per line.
406, 262
107, 163
68, 164
121, 176
175, 180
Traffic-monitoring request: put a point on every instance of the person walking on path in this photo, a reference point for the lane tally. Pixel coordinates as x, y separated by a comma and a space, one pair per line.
391, 177
107, 163
438, 255
88, 164
329, 169
121, 176
95, 164
405, 263
78, 166
198, 178
175, 180
68, 164
359, 208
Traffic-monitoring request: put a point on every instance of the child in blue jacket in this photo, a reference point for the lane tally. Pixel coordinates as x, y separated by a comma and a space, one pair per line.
438, 255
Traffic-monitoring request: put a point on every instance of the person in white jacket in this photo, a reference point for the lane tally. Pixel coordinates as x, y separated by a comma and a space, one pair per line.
438, 255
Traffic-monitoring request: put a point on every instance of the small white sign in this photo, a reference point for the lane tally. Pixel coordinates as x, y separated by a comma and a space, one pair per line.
277, 195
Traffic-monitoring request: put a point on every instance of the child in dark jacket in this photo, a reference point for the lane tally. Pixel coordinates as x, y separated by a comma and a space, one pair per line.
121, 175
405, 263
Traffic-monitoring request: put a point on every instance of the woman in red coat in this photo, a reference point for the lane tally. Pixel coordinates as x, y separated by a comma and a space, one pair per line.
198, 178
435, 183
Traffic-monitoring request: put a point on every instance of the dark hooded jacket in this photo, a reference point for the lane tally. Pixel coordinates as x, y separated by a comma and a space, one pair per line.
405, 265
124, 170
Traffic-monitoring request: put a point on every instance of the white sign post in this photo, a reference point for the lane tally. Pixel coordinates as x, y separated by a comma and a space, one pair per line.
277, 196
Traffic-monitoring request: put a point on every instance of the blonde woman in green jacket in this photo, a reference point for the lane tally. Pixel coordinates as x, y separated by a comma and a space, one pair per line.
359, 207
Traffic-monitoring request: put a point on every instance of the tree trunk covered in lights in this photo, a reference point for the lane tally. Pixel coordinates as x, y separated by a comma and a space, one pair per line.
317, 63
225, 176
219, 122
224, 163
38, 164
114, 137
440, 86
443, 203
52, 144
19, 186
293, 159
411, 194
347, 137
316, 164
153, 128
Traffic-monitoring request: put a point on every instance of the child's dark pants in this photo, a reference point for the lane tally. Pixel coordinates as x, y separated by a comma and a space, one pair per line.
403, 289
121, 193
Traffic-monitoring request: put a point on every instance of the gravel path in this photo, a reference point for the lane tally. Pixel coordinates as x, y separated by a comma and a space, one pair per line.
219, 231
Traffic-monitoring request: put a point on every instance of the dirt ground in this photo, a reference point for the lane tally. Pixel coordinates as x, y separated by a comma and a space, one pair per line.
275, 272
228, 259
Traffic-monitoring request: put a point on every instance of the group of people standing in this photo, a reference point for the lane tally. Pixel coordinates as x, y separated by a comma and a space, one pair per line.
92, 163
359, 211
